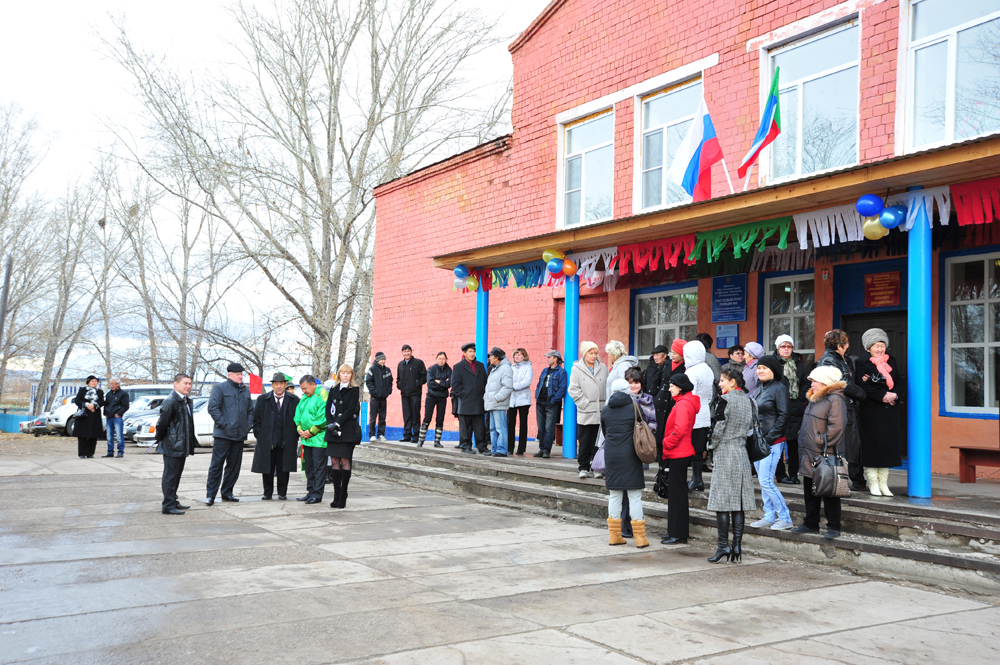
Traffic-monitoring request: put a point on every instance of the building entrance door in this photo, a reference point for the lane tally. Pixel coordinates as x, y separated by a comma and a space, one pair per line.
894, 325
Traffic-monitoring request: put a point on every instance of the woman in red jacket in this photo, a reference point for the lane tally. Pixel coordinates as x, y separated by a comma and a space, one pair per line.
678, 453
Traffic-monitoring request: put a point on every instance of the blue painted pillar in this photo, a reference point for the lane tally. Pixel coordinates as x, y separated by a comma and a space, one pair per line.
918, 330
482, 324
571, 347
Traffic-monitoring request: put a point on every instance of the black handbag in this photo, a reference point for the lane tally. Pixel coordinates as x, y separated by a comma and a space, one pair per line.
830, 477
660, 485
757, 446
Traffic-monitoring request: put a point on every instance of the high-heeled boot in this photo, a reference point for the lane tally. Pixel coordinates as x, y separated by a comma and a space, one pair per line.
723, 551
422, 436
696, 484
737, 517
345, 478
437, 438
335, 475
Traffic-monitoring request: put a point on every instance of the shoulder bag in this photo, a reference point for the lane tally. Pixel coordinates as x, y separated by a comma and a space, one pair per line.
643, 437
757, 446
830, 477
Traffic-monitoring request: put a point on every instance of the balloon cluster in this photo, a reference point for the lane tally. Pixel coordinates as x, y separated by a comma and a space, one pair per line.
879, 219
556, 262
463, 280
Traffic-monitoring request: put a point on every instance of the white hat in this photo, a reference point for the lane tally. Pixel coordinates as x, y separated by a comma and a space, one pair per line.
619, 386
826, 375
782, 339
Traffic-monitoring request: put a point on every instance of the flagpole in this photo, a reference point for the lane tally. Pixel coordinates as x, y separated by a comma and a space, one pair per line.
728, 179
746, 182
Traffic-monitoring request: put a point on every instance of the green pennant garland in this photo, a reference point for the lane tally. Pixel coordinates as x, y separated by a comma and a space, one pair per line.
743, 238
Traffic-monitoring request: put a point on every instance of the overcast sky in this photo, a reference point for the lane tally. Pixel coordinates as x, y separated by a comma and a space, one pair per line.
50, 64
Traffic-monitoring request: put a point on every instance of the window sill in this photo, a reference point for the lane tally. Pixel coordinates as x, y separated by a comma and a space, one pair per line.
978, 414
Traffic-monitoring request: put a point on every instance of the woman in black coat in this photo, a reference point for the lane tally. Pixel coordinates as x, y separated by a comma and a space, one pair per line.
87, 425
343, 431
277, 437
624, 470
880, 415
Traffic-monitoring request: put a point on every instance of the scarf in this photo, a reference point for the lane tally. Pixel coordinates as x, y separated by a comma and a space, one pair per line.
793, 378
91, 396
882, 364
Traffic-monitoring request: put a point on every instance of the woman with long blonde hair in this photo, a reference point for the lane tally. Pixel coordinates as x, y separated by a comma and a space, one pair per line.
343, 431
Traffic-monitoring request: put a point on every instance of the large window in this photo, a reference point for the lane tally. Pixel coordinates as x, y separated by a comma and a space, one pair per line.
663, 317
666, 118
955, 47
790, 308
588, 173
972, 333
818, 96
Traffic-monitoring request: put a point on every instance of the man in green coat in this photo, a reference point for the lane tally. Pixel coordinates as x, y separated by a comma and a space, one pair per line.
310, 420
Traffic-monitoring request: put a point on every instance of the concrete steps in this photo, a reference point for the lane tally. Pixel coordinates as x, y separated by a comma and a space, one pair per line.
892, 536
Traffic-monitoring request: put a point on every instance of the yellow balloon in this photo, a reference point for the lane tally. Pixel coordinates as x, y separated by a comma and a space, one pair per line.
873, 229
550, 254
471, 282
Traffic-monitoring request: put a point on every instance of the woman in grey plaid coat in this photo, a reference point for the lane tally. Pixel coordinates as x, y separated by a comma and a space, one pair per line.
731, 493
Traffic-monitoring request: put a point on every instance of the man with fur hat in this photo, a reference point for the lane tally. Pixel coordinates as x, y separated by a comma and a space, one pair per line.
232, 410
378, 380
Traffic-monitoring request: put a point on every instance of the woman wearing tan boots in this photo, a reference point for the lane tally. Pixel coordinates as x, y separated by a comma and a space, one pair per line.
623, 476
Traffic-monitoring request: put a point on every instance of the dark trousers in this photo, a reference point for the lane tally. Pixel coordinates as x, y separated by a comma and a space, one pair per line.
173, 467
429, 405
546, 417
315, 470
469, 426
228, 453
376, 410
587, 436
276, 455
86, 447
831, 506
522, 434
677, 497
661, 422
789, 469
411, 416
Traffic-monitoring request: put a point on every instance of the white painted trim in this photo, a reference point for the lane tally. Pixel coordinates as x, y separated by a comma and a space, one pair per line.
560, 171
791, 315
649, 85
803, 26
903, 66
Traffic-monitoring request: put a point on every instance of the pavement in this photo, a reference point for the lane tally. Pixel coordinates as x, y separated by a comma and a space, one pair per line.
91, 572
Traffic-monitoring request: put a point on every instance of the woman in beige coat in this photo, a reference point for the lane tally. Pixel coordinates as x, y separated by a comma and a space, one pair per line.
588, 389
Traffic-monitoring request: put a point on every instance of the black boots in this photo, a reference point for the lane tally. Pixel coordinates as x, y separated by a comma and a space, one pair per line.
437, 438
422, 436
696, 484
335, 475
723, 551
340, 480
737, 517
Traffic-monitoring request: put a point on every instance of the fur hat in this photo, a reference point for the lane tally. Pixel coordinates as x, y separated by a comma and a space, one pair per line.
873, 335
467, 346
498, 353
826, 375
619, 386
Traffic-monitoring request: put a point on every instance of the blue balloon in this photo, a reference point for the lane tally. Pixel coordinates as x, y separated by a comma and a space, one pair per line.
869, 205
555, 265
461, 271
892, 216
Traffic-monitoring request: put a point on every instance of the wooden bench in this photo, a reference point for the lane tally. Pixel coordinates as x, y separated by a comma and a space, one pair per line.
969, 458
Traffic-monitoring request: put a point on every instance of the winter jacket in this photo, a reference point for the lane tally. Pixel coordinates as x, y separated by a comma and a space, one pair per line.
499, 386
796, 405
378, 380
115, 402
826, 413
468, 388
853, 396
522, 384
617, 419
731, 365
557, 384
664, 400
587, 389
772, 409
271, 434
89, 425
439, 380
701, 376
713, 364
343, 406
653, 376
648, 409
411, 377
175, 427
732, 485
310, 416
618, 370
231, 409
680, 423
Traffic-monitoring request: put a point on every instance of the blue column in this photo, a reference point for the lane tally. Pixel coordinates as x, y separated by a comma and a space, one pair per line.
919, 351
482, 324
571, 347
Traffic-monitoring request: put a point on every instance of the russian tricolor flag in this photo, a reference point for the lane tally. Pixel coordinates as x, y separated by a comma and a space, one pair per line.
692, 165
770, 127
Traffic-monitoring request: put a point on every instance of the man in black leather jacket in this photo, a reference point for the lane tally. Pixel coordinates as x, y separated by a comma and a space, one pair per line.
836, 343
175, 434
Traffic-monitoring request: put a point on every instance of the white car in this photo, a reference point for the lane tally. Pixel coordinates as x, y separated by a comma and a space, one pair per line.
145, 434
61, 418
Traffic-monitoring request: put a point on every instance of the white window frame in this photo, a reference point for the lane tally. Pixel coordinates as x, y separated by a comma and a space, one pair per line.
987, 345
561, 170
951, 36
640, 135
668, 291
767, 71
791, 314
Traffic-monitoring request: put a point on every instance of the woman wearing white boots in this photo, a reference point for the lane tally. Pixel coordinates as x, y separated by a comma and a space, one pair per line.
879, 415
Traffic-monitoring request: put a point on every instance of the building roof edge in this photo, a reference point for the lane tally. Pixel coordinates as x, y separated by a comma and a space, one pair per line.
535, 25
493, 146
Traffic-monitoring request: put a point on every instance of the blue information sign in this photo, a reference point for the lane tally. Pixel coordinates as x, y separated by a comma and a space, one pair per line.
729, 298
727, 335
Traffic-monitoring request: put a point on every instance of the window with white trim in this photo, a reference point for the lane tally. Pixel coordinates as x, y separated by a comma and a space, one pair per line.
818, 100
955, 65
662, 317
588, 169
666, 118
790, 309
972, 333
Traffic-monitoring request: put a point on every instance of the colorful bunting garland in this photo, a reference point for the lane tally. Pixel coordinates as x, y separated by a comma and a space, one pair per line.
743, 238
977, 202
775, 259
928, 198
526, 275
647, 255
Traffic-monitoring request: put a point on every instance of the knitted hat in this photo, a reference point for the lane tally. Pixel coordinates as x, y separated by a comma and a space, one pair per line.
782, 339
677, 346
772, 364
754, 349
619, 386
873, 335
826, 375
586, 346
682, 381
379, 356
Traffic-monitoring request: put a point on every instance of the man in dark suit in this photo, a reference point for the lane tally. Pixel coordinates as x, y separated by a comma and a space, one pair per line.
277, 437
175, 434
468, 387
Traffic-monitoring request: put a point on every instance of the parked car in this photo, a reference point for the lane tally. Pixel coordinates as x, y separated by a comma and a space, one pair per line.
61, 418
145, 428
34, 426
